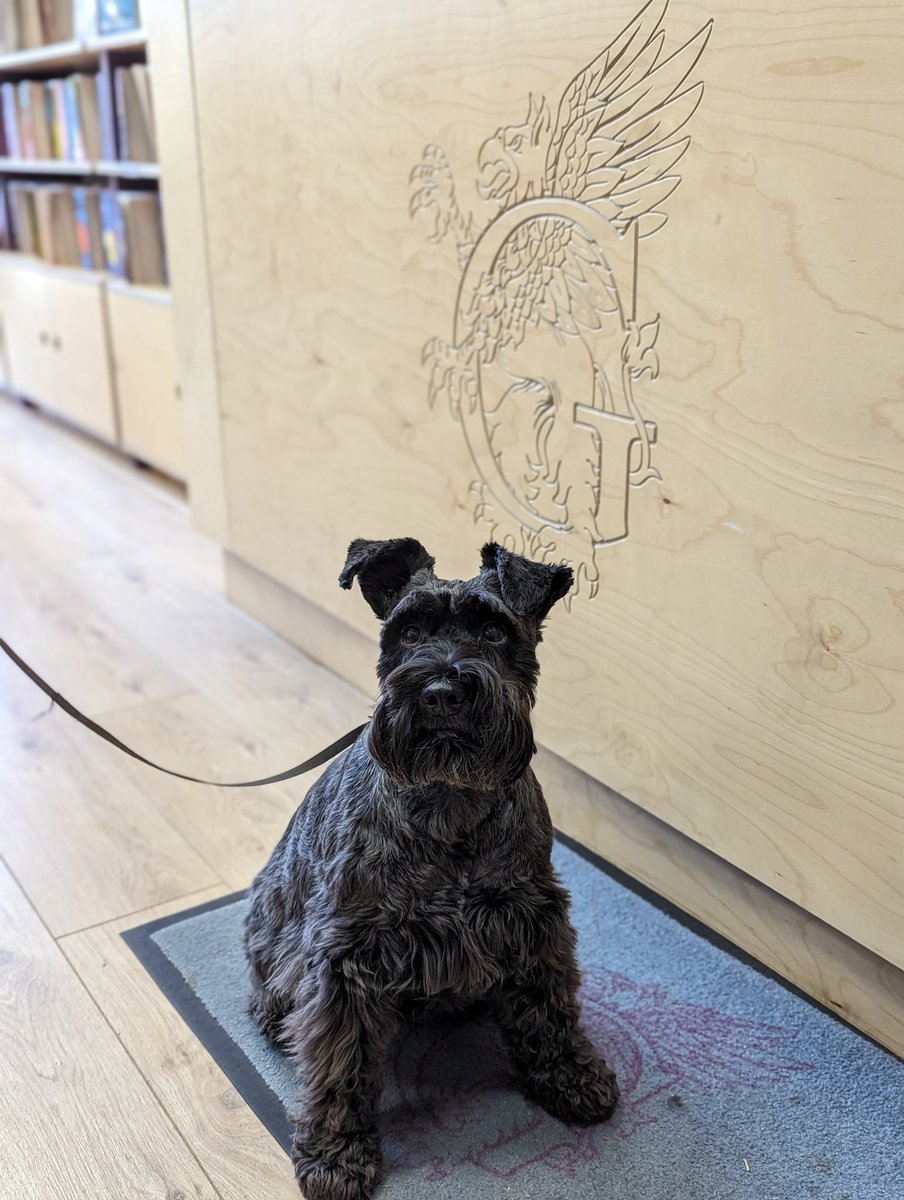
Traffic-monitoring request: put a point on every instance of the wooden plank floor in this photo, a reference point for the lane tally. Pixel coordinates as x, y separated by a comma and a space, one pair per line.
110, 594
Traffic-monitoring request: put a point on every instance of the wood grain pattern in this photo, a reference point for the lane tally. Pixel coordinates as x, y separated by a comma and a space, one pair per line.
740, 673
151, 416
85, 842
77, 1116
198, 1097
865, 989
170, 56
55, 332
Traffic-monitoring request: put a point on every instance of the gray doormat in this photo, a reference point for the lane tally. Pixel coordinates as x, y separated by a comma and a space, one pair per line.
733, 1085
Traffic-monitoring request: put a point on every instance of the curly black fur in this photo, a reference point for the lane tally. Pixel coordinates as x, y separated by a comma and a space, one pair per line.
418, 868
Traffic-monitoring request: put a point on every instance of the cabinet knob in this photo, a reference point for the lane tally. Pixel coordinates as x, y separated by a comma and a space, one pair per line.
57, 344
43, 337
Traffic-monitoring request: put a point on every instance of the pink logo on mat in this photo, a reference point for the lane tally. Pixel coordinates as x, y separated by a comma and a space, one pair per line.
451, 1102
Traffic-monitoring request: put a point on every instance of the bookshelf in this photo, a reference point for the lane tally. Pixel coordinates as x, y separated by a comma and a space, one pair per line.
106, 169
72, 53
81, 229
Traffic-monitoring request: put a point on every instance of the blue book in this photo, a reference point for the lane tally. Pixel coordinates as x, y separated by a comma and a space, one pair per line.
115, 16
74, 140
113, 234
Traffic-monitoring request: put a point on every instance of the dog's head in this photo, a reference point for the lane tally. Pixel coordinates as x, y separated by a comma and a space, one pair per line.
458, 665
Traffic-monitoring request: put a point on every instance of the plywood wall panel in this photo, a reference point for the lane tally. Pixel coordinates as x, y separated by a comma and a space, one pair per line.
739, 670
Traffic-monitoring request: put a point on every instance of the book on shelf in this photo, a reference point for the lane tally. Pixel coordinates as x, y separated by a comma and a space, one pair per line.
29, 29
57, 20
53, 119
6, 233
145, 259
89, 226
40, 130
88, 115
24, 218
26, 120
10, 120
9, 27
135, 123
53, 129
117, 16
57, 88
30, 24
75, 140
113, 234
57, 226
105, 115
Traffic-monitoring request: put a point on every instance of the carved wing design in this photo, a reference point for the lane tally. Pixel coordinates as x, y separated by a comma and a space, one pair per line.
616, 136
548, 270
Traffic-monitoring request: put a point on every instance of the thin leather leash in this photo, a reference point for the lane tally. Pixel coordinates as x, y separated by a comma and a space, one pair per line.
308, 765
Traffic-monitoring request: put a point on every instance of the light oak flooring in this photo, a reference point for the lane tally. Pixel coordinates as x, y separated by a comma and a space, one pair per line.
112, 596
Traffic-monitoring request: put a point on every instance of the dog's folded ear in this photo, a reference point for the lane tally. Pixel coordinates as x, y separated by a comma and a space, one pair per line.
530, 589
384, 569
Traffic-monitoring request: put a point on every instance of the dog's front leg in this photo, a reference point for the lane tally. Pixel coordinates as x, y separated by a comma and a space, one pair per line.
556, 1061
340, 1030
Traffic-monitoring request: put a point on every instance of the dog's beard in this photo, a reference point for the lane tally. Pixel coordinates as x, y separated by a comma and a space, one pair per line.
487, 748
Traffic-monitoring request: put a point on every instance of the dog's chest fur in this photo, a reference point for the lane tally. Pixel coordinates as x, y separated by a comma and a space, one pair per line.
457, 917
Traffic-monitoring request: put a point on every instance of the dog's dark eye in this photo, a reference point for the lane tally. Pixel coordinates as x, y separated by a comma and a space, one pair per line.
410, 635
493, 633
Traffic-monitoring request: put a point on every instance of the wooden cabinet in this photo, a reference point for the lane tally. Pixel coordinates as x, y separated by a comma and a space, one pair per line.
147, 383
23, 296
81, 383
99, 353
56, 342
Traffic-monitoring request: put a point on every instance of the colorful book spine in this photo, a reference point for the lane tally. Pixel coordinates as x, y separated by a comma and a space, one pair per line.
58, 92
80, 201
52, 128
74, 139
113, 234
114, 16
105, 115
26, 119
10, 120
122, 115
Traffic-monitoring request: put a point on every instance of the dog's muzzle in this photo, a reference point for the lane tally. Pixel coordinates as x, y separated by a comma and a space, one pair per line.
445, 697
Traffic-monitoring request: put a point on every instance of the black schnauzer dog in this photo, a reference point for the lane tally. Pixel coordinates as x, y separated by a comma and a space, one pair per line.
418, 869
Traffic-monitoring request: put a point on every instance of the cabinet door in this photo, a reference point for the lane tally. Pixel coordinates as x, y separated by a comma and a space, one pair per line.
26, 334
151, 418
80, 387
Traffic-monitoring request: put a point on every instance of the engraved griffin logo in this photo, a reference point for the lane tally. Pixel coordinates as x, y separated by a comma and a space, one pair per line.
547, 346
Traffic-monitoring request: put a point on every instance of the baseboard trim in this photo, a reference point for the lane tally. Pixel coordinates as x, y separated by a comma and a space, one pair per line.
850, 981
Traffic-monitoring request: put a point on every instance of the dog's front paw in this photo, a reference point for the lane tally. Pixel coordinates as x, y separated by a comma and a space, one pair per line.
579, 1091
349, 1171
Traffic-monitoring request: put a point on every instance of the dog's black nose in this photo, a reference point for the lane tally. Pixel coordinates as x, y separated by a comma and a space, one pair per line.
444, 697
